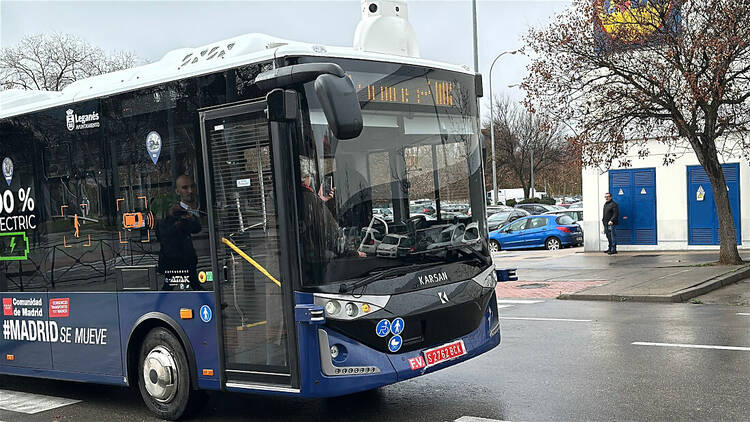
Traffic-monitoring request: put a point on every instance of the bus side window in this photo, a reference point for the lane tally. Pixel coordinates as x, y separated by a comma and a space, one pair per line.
159, 208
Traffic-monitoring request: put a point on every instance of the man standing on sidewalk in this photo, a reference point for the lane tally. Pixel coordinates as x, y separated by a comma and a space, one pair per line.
609, 218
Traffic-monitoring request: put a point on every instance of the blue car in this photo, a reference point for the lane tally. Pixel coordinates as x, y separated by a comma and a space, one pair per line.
536, 231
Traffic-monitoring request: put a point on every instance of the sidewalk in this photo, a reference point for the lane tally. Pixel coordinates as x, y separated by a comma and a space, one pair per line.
636, 276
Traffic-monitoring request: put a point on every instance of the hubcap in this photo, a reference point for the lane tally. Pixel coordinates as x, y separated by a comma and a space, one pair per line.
160, 374
493, 247
553, 245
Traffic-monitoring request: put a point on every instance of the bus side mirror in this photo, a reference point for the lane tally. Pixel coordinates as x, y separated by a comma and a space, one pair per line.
340, 104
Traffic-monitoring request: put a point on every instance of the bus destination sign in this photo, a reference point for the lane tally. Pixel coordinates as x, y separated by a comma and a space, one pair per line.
413, 91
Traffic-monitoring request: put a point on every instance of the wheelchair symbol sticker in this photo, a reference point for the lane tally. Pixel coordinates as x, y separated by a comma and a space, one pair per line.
383, 328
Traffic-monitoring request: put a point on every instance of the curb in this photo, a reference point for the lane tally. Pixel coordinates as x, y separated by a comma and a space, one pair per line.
678, 296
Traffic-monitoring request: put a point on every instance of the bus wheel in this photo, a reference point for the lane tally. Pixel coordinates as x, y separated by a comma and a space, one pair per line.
163, 374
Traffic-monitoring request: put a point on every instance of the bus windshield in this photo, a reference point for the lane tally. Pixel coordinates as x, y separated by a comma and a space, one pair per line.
408, 190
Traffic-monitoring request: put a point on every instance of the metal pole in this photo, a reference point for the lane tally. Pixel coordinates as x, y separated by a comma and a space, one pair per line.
492, 128
492, 143
532, 172
474, 25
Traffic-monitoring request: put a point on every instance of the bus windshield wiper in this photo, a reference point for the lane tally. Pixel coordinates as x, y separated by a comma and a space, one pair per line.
383, 274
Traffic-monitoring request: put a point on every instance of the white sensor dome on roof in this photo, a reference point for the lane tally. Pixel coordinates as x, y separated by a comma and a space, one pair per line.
385, 29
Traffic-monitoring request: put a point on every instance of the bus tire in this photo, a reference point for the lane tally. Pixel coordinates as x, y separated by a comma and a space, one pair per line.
164, 375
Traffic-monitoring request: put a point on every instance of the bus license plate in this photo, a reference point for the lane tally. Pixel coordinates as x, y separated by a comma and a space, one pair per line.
444, 353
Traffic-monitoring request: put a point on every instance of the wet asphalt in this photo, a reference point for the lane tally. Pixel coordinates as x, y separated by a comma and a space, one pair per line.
581, 365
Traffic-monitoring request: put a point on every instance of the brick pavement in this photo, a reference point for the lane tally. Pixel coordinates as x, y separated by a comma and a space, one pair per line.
550, 289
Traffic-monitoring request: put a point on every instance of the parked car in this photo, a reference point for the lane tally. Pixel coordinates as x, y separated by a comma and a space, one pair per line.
492, 209
535, 209
384, 213
575, 213
395, 245
456, 209
549, 231
501, 218
370, 241
422, 209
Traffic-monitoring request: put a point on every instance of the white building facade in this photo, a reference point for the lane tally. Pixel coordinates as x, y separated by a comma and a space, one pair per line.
665, 207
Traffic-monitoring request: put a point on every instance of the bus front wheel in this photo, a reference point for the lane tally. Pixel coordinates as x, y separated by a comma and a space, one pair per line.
164, 375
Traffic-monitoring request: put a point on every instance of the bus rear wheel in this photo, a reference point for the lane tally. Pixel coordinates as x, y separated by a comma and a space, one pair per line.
164, 375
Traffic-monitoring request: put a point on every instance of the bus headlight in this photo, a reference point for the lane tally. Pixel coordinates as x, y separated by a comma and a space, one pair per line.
333, 307
351, 310
348, 307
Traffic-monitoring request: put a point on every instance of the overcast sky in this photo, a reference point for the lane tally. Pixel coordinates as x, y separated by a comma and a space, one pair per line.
150, 29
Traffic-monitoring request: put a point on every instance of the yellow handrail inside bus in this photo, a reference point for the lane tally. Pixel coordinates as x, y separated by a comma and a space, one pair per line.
250, 260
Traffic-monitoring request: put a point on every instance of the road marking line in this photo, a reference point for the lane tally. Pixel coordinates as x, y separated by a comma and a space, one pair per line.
692, 346
743, 313
519, 301
504, 306
547, 319
475, 419
16, 401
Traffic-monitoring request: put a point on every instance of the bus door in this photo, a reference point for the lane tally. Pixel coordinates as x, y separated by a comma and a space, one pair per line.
253, 301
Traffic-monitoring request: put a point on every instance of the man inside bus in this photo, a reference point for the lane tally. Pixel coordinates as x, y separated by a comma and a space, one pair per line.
177, 256
320, 228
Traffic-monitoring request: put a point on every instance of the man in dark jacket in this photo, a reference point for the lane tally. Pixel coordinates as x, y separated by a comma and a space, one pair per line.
610, 216
177, 257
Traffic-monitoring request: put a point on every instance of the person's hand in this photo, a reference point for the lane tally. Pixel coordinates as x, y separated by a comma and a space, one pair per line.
609, 223
361, 254
324, 197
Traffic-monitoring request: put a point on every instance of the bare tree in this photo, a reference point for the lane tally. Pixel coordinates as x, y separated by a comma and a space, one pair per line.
50, 62
670, 71
519, 134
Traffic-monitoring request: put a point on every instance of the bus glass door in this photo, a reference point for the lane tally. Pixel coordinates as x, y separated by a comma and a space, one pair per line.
245, 239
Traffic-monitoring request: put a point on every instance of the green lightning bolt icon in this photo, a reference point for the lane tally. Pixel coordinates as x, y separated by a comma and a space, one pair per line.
18, 240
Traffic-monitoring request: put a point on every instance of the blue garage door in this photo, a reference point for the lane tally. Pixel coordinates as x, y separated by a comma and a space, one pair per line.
703, 222
634, 190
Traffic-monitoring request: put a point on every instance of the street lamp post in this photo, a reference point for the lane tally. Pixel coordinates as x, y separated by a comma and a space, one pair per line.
492, 129
532, 173
474, 30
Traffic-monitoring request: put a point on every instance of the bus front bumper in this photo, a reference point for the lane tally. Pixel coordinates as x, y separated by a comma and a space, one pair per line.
344, 366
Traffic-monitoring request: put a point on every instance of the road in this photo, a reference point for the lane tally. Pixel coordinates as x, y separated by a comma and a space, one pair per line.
559, 360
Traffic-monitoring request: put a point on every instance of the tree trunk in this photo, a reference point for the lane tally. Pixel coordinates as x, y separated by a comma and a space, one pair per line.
728, 253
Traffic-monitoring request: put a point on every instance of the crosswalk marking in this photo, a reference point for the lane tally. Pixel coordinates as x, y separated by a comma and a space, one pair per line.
16, 401
692, 346
509, 303
519, 301
475, 419
547, 319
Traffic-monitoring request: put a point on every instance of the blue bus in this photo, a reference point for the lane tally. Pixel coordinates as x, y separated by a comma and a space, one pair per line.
205, 222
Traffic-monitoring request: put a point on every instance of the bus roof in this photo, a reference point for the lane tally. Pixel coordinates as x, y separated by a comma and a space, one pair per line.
187, 62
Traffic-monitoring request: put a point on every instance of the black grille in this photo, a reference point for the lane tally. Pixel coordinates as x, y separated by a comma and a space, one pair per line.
426, 328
